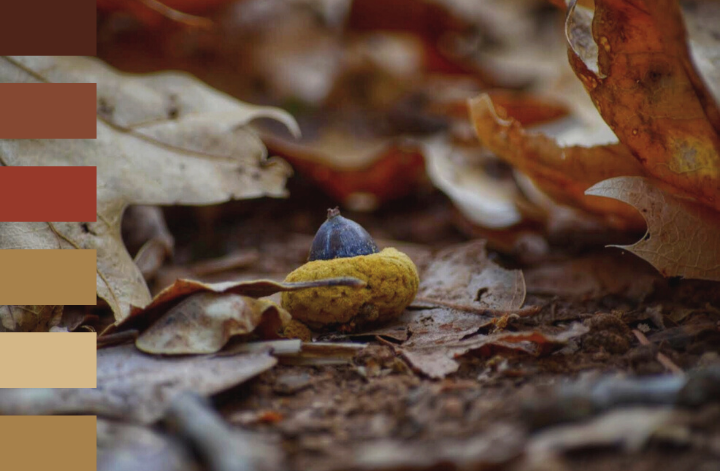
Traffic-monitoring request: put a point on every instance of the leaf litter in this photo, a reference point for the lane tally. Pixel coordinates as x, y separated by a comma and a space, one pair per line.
496, 336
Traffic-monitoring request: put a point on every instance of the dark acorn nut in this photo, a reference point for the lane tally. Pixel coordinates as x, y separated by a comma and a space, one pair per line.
343, 248
339, 237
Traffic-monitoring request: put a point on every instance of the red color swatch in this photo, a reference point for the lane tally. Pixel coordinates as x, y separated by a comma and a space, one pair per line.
48, 194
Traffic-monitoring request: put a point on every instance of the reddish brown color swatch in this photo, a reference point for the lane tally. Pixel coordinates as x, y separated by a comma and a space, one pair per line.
48, 28
48, 111
48, 194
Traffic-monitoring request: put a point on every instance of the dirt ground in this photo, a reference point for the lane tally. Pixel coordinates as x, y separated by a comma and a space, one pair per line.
378, 413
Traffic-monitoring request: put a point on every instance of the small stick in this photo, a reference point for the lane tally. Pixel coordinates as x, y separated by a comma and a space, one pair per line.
661, 357
524, 312
176, 15
117, 338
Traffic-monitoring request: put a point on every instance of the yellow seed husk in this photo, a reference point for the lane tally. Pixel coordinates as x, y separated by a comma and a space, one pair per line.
392, 283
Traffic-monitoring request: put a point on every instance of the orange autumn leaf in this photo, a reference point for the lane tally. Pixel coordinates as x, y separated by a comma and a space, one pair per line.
564, 173
632, 57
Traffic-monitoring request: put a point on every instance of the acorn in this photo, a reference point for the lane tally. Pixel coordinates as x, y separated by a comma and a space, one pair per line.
344, 248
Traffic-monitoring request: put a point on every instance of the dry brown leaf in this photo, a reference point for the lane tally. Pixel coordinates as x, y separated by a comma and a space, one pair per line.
141, 318
461, 275
564, 173
434, 356
137, 387
633, 58
594, 276
161, 139
683, 238
204, 322
464, 274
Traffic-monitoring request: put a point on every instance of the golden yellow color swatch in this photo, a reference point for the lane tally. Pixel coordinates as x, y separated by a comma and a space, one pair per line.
48, 360
40, 442
48, 277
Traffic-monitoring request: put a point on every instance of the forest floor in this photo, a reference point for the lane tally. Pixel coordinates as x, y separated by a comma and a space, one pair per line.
503, 410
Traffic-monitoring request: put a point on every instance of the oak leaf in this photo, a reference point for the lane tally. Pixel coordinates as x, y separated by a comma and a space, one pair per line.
562, 172
633, 59
162, 139
683, 237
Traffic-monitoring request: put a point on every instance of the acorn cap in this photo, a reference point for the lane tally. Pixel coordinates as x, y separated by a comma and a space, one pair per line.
339, 237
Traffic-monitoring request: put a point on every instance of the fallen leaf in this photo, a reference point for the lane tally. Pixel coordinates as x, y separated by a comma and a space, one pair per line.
628, 429
137, 387
563, 172
461, 275
491, 449
484, 198
161, 139
173, 295
436, 359
634, 61
682, 239
464, 274
204, 322
593, 276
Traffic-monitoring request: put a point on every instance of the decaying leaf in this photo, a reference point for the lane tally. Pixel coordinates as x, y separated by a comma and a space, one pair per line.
485, 199
204, 322
491, 449
463, 275
357, 169
563, 172
161, 139
29, 318
627, 429
137, 387
594, 276
436, 358
682, 239
141, 318
634, 61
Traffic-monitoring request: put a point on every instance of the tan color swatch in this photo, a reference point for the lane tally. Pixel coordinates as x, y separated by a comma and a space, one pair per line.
40, 442
48, 277
48, 360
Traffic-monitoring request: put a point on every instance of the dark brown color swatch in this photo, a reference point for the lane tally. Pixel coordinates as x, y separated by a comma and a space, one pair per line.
48, 111
48, 28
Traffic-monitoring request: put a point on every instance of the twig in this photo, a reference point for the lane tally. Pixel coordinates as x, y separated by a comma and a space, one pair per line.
175, 15
117, 338
204, 430
524, 312
661, 357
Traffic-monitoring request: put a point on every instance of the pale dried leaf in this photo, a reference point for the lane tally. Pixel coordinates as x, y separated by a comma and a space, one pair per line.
136, 387
204, 322
161, 139
181, 289
483, 199
683, 238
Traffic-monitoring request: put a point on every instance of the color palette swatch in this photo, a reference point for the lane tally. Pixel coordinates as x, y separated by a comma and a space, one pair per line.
48, 360
48, 277
48, 194
48, 27
48, 111
60, 443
